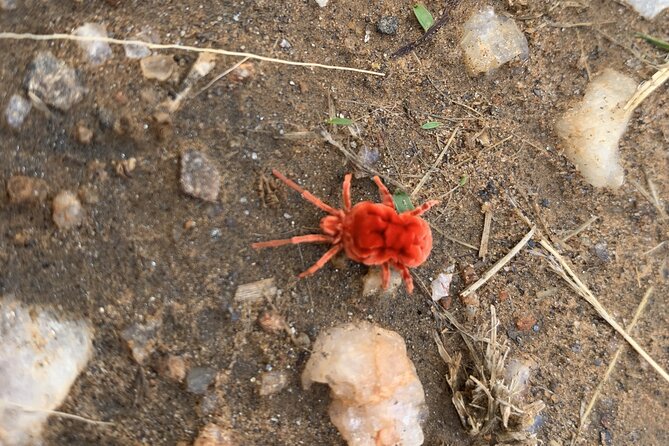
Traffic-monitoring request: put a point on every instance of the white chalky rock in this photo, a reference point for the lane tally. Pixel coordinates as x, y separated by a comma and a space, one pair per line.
17, 110
649, 8
97, 51
322, 3
592, 129
40, 357
490, 41
378, 399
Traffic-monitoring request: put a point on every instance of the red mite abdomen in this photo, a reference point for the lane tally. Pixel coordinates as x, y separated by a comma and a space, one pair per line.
375, 233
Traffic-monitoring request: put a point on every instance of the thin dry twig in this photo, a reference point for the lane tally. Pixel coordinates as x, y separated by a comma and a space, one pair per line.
56, 413
158, 46
485, 236
423, 180
578, 230
453, 239
572, 279
220, 76
651, 199
612, 365
647, 88
499, 265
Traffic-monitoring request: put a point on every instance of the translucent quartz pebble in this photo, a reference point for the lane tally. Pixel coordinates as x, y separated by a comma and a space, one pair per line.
40, 357
649, 8
377, 398
490, 41
592, 129
96, 51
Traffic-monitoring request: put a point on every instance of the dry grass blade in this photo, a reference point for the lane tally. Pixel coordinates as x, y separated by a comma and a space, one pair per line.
560, 266
485, 236
157, 46
652, 198
55, 413
423, 180
580, 229
647, 88
499, 265
611, 367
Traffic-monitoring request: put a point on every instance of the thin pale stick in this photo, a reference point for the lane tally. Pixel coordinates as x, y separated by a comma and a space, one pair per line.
499, 265
647, 88
306, 194
322, 261
423, 180
612, 365
453, 239
309, 238
157, 46
220, 76
485, 236
584, 292
580, 229
56, 413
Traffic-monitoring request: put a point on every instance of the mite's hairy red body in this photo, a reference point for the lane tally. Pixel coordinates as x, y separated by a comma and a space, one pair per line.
369, 233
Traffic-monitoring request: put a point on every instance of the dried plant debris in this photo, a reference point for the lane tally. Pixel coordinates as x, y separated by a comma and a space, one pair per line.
489, 392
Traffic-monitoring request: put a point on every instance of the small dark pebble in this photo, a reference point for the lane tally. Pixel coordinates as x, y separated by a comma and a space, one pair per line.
199, 379
545, 202
536, 328
602, 252
605, 438
489, 191
388, 25
598, 362
576, 348
531, 243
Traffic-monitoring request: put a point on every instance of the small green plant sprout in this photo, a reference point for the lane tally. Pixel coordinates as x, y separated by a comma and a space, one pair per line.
431, 125
340, 121
423, 15
402, 201
659, 43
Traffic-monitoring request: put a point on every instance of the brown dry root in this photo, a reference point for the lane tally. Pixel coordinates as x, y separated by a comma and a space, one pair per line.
491, 396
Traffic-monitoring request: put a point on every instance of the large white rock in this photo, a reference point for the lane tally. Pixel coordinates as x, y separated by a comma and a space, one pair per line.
592, 129
40, 357
649, 8
377, 398
489, 41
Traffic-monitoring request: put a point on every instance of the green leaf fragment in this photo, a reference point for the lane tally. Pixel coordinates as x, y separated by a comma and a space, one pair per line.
431, 125
402, 201
661, 44
463, 180
340, 121
423, 15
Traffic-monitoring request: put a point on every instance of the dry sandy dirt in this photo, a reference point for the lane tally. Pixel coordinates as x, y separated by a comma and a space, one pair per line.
136, 259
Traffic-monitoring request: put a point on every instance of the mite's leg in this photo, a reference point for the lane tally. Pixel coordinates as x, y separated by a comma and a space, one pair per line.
346, 193
322, 261
385, 276
310, 238
420, 210
306, 194
386, 198
406, 276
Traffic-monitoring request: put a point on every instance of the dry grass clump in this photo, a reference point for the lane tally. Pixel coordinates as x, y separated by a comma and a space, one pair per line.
489, 392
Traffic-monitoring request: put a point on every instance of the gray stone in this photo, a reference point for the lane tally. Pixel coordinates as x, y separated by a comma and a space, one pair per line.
17, 110
199, 379
53, 81
199, 177
388, 25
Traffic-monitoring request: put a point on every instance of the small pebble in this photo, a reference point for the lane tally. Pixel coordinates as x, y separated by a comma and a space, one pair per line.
159, 67
141, 339
388, 25
525, 322
138, 51
83, 134
199, 379
67, 210
242, 73
17, 110
174, 368
97, 51
213, 435
23, 189
272, 322
8, 4
285, 44
272, 382
602, 251
199, 177
53, 81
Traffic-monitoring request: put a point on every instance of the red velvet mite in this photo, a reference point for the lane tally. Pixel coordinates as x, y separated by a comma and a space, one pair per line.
369, 233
